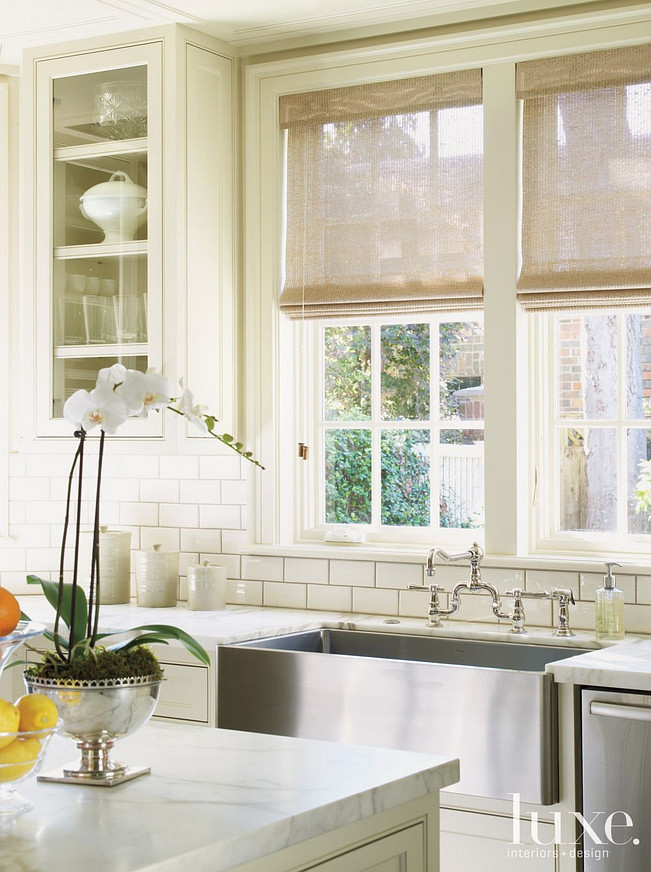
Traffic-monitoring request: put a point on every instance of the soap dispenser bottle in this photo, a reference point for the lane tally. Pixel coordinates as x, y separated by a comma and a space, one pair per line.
609, 601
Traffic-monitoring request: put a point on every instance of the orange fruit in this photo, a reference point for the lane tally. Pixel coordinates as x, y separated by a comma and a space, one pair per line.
9, 612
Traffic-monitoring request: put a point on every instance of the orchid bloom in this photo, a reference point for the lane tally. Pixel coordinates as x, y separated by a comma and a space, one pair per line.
142, 391
99, 408
113, 375
192, 411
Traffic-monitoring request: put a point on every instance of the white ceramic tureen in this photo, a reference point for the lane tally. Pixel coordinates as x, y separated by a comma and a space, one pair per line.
118, 206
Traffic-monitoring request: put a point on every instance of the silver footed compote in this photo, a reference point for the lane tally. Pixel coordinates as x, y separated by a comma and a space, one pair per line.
96, 714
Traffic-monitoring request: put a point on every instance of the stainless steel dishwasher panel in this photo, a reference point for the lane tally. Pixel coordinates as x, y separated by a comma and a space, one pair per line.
616, 779
500, 723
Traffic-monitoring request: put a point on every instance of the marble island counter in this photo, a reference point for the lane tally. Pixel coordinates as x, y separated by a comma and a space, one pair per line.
219, 800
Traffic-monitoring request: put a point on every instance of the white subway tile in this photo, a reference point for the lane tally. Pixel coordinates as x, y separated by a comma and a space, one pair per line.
356, 573
139, 514
16, 582
220, 467
398, 575
230, 561
12, 559
582, 616
375, 602
186, 559
329, 598
244, 593
17, 464
18, 512
48, 465
235, 492
637, 619
197, 491
306, 569
51, 512
262, 568
448, 576
139, 466
234, 541
167, 537
414, 604
477, 607
179, 466
644, 589
178, 515
503, 579
31, 488
201, 540
120, 489
158, 490
546, 579
42, 560
220, 516
590, 582
109, 513
29, 536
286, 596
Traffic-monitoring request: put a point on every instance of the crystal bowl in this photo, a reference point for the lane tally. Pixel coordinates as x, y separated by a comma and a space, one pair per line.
21, 757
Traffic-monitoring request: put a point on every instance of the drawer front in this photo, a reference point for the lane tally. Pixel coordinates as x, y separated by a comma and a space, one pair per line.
184, 694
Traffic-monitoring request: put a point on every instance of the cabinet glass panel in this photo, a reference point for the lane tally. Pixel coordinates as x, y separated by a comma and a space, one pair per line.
100, 229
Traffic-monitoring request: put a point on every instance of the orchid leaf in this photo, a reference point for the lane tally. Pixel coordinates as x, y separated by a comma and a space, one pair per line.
143, 639
167, 632
51, 592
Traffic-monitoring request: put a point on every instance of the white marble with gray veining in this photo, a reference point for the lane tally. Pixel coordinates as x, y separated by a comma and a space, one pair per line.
625, 665
215, 799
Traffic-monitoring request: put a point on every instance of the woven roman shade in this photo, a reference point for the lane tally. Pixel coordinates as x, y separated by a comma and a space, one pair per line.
586, 179
384, 198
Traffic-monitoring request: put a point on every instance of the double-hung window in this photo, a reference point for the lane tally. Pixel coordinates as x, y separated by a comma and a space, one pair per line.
383, 280
586, 248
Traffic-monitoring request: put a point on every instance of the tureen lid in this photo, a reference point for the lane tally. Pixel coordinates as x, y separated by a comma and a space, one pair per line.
119, 185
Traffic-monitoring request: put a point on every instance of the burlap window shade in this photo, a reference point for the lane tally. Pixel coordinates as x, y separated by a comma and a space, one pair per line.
384, 198
586, 199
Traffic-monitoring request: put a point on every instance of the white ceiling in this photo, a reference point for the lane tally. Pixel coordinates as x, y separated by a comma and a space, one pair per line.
25, 23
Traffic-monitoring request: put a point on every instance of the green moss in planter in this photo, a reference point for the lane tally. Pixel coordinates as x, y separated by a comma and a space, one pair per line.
99, 664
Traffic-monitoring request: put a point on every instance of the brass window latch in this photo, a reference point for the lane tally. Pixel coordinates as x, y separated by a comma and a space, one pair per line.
303, 450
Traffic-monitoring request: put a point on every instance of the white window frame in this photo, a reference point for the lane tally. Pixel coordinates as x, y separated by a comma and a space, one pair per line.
271, 346
310, 510
545, 534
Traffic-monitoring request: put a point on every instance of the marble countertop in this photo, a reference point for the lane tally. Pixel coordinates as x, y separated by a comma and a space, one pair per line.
625, 665
215, 799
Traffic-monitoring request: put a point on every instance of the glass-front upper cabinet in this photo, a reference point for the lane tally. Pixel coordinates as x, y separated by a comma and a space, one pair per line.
98, 253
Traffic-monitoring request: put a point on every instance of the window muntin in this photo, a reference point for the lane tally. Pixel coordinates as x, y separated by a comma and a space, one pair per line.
398, 451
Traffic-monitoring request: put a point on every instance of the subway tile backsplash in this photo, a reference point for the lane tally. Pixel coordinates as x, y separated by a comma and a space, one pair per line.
198, 506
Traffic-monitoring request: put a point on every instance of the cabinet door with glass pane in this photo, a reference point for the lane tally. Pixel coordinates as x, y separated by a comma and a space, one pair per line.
98, 222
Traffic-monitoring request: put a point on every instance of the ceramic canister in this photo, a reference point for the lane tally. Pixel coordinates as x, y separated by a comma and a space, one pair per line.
206, 587
114, 566
157, 577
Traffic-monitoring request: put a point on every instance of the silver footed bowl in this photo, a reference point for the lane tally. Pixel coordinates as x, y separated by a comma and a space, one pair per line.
96, 714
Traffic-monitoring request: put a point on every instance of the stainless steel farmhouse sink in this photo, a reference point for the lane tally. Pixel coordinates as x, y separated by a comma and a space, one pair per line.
488, 703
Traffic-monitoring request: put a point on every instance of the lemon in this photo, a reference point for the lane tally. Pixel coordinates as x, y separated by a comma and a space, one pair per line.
37, 712
9, 720
22, 753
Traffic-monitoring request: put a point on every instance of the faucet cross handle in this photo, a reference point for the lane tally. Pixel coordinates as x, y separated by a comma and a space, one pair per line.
433, 616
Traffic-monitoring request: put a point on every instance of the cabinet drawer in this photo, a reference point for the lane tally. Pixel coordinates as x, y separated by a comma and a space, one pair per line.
184, 694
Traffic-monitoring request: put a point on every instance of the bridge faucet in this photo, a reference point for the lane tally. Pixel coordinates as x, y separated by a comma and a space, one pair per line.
475, 585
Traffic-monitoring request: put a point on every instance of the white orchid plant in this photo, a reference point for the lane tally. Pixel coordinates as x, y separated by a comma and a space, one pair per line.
119, 393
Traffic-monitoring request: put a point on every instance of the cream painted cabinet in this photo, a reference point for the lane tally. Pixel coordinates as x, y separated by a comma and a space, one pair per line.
477, 842
129, 146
